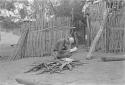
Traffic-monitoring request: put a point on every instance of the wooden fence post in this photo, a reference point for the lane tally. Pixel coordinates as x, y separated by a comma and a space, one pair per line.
88, 31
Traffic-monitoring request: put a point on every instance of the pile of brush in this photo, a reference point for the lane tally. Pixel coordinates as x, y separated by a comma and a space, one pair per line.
55, 66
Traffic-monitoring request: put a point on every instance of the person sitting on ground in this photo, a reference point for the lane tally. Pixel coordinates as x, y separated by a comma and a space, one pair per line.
63, 48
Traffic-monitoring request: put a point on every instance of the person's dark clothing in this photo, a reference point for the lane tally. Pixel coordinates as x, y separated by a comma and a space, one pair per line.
61, 47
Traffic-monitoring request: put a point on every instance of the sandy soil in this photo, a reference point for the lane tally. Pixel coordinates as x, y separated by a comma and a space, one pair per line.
94, 72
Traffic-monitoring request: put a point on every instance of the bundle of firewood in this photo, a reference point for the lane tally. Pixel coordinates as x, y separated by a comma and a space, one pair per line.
55, 66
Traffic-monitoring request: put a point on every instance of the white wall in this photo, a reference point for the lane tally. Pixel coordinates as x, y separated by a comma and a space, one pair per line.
8, 38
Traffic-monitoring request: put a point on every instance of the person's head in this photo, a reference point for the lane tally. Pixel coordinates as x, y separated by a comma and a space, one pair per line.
71, 40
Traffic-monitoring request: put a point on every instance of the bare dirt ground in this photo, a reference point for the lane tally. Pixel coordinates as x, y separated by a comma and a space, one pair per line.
93, 72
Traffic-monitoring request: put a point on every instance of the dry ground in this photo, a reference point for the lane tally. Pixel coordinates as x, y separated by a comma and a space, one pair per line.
94, 72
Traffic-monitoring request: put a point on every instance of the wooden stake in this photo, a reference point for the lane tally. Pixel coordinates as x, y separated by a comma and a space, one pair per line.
88, 31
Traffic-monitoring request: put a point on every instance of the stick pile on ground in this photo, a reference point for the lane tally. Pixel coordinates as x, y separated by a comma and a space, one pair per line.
55, 66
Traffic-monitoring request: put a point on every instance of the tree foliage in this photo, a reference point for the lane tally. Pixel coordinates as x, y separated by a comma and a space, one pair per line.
16, 12
13, 13
64, 9
72, 8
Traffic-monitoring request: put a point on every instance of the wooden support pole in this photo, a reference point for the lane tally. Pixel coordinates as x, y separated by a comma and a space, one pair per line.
96, 39
88, 34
